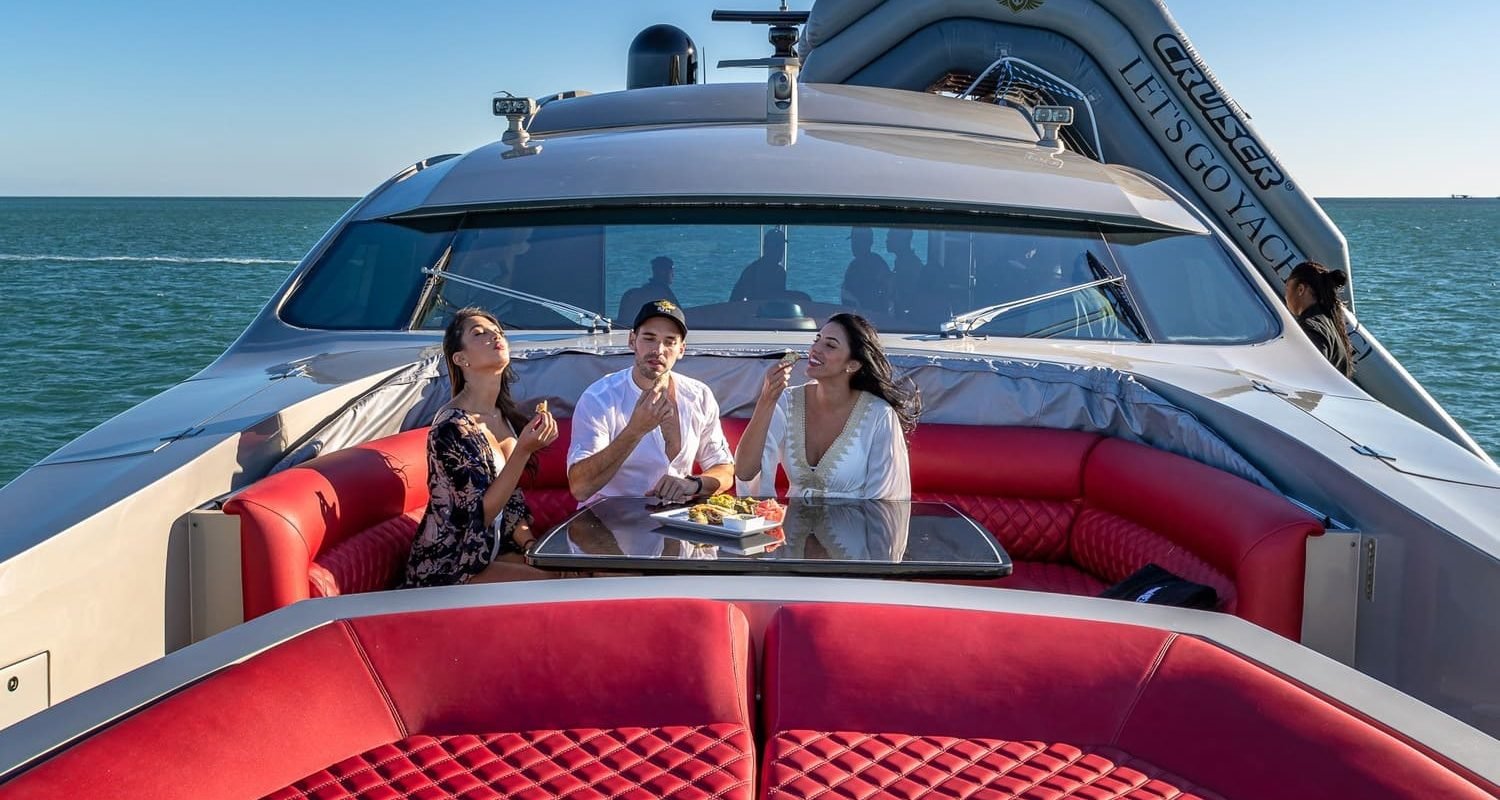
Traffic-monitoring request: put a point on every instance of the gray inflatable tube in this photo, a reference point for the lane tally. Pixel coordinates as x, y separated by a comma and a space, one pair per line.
1159, 110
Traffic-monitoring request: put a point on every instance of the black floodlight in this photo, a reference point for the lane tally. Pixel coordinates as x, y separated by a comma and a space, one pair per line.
509, 106
1053, 115
1052, 119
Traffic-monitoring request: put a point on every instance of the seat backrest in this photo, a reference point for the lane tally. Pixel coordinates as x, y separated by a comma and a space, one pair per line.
355, 685
1144, 505
1022, 484
547, 493
1035, 693
298, 516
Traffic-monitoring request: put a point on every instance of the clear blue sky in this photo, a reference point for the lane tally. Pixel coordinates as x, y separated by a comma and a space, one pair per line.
329, 98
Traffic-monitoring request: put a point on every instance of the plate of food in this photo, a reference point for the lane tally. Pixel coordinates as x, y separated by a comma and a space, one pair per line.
723, 515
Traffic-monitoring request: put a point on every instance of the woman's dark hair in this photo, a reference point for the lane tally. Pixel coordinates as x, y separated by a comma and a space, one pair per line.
1325, 284
453, 341
875, 375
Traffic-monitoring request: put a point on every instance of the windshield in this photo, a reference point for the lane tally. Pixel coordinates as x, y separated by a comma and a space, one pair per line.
779, 275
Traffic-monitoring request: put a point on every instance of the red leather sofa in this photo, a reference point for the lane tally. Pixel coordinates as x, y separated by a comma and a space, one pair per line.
341, 523
1076, 511
630, 699
650, 699
856, 703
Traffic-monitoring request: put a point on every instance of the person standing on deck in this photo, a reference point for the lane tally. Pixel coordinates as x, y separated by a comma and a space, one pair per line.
1312, 297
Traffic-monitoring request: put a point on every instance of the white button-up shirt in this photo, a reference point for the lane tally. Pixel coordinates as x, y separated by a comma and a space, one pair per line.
605, 408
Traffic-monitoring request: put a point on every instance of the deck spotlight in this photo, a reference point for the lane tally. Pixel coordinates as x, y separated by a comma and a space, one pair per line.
517, 112
1052, 119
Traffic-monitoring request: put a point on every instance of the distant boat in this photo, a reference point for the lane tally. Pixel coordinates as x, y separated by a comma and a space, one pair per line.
1461, 196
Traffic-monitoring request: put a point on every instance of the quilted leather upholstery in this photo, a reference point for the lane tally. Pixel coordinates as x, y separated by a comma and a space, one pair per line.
1094, 509
679, 762
1251, 536
549, 506
624, 698
1112, 547
369, 561
290, 519
803, 765
1030, 529
857, 703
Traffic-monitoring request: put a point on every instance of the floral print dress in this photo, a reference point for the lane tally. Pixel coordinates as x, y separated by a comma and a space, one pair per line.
453, 544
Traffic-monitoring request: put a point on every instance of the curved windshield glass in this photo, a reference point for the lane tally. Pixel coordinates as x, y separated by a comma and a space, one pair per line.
1020, 280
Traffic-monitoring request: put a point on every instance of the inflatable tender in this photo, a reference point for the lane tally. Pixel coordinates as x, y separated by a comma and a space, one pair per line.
1142, 97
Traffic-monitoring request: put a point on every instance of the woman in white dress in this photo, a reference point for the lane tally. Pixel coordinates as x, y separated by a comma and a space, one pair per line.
841, 435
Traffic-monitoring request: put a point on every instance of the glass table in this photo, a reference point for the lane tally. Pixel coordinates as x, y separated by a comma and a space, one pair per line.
868, 538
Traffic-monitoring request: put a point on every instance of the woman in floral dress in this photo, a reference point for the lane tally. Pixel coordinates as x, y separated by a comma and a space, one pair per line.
477, 527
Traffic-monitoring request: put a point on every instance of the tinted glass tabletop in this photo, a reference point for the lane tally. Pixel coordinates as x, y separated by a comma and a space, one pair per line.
817, 537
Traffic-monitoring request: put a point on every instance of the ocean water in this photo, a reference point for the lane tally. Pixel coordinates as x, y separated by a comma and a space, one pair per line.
105, 302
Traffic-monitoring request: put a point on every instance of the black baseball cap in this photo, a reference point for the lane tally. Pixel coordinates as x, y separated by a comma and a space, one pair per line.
661, 308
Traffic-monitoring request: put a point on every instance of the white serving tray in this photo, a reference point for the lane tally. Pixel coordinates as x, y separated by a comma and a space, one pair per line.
678, 518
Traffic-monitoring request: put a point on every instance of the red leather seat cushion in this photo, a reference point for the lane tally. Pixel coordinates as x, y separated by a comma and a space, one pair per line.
547, 488
1112, 547
1022, 484
803, 765
370, 561
1046, 576
291, 518
1253, 538
1028, 528
855, 695
680, 762
637, 696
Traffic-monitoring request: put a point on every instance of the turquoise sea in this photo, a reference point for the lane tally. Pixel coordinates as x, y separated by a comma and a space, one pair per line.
106, 301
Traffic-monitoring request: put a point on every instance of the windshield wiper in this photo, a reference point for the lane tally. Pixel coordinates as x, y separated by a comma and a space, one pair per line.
1122, 302
960, 325
592, 320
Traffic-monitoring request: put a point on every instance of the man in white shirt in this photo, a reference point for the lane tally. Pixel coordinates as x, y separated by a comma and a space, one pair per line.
638, 431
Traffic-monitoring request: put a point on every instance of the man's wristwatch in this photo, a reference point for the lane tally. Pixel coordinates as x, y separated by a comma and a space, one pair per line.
697, 481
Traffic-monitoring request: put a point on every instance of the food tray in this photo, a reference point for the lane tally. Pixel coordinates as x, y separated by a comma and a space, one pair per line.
678, 518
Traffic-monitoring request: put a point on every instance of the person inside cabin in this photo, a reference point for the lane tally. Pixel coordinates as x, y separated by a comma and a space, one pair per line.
1312, 297
638, 432
906, 278
841, 435
477, 527
658, 288
867, 279
765, 277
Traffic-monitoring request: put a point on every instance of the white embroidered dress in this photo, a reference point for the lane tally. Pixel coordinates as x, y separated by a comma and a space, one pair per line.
866, 461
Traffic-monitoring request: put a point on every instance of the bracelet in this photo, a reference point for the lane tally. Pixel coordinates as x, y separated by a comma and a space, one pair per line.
699, 481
